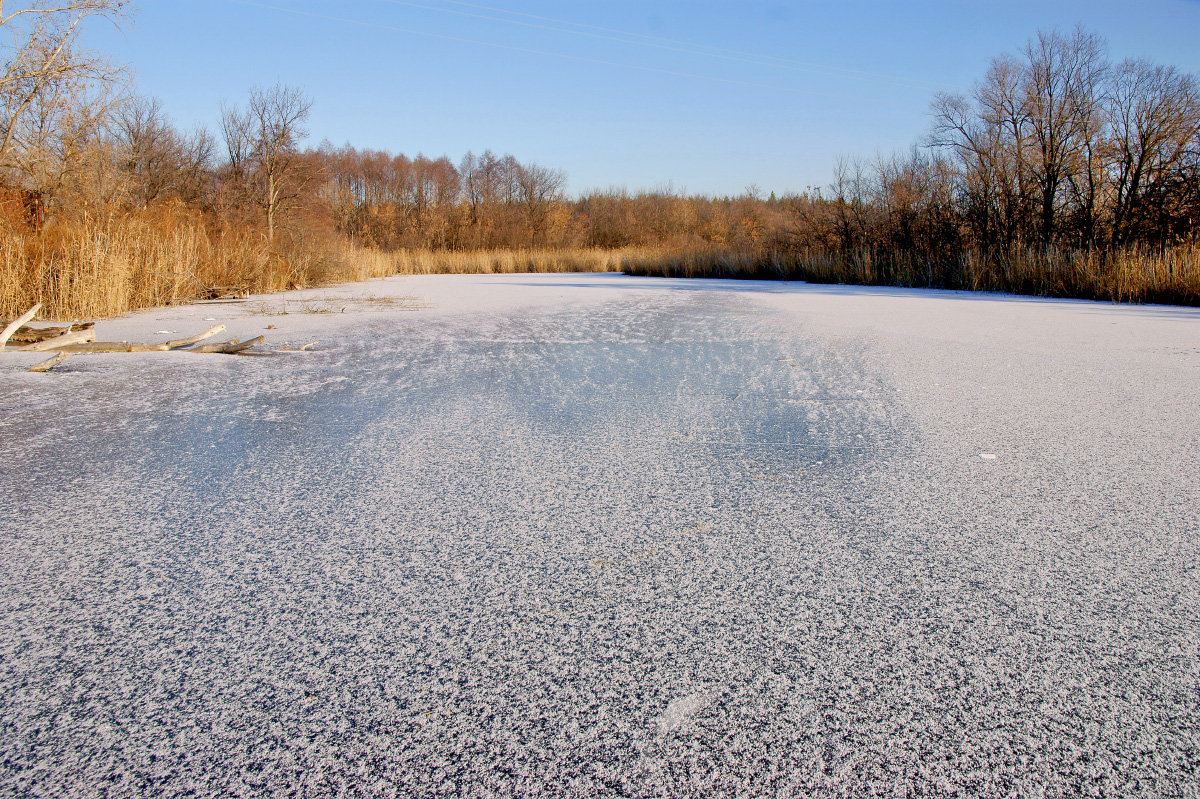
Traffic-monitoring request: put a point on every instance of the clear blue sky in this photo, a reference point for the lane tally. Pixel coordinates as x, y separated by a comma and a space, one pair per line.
706, 96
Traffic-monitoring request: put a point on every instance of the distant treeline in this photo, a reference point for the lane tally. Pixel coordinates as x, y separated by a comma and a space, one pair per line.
490, 201
1060, 173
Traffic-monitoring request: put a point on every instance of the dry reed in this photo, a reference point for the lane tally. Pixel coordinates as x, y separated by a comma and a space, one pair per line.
99, 268
1136, 274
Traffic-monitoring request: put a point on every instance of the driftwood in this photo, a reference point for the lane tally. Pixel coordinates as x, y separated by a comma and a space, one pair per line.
305, 348
222, 293
231, 347
190, 340
59, 341
18, 323
102, 346
19, 332
32, 335
84, 341
48, 364
125, 346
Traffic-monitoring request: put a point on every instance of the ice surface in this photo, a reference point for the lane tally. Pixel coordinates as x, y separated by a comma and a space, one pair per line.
679, 711
596, 535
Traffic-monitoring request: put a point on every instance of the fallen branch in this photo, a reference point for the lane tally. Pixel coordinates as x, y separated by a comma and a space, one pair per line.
18, 323
218, 347
305, 348
32, 335
231, 347
245, 345
222, 293
58, 341
84, 341
190, 340
48, 364
125, 346
122, 346
103, 346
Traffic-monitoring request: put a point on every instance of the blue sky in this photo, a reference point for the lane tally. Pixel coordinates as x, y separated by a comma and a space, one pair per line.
708, 97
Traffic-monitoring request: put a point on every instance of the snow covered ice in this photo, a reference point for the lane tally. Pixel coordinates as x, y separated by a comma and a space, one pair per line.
590, 535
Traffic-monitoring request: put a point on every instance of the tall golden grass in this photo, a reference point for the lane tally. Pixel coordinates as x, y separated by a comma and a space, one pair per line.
429, 262
99, 268
1135, 274
106, 267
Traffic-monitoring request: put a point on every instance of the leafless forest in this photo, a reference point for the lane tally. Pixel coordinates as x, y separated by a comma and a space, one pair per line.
1062, 173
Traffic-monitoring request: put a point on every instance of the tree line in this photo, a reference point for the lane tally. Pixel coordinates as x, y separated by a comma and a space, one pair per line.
1055, 147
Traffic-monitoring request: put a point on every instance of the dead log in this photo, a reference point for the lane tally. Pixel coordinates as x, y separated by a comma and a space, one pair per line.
231, 347
223, 293
218, 347
48, 364
125, 346
245, 345
190, 340
77, 337
18, 323
101, 346
32, 335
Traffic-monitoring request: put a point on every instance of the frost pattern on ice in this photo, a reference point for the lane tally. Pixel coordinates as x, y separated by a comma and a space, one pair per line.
679, 711
498, 547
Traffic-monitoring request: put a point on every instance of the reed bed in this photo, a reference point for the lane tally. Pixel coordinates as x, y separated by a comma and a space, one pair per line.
1136, 274
100, 268
429, 262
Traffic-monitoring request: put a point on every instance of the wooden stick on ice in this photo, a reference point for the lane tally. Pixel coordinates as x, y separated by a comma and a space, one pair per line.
231, 347
66, 338
18, 323
190, 340
48, 364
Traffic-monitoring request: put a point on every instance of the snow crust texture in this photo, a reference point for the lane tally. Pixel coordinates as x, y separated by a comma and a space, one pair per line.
602, 536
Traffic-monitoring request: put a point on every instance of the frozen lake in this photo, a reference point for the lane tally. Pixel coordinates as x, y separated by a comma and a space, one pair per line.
597, 535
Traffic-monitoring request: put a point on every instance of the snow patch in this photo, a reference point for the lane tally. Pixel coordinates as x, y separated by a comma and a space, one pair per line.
679, 711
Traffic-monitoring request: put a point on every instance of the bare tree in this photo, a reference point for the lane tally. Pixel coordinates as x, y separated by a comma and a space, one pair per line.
1032, 128
263, 147
852, 198
1154, 118
538, 187
154, 157
1062, 96
39, 58
471, 177
481, 186
57, 142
